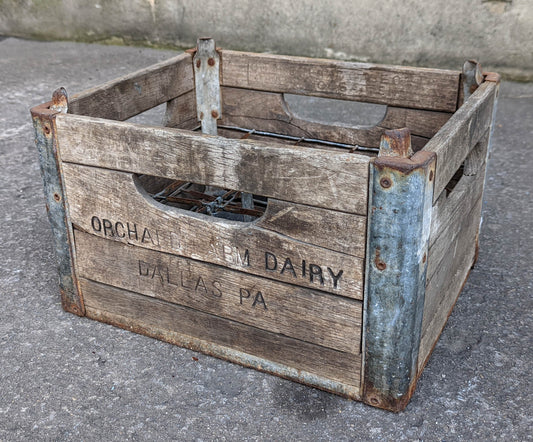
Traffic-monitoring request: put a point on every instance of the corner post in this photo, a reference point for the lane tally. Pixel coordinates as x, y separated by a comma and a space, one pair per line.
206, 68
399, 219
50, 164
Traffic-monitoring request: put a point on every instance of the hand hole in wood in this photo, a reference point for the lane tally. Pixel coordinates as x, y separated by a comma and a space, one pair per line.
219, 203
454, 180
339, 112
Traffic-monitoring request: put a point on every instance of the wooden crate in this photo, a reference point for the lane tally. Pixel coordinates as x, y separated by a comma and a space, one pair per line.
347, 251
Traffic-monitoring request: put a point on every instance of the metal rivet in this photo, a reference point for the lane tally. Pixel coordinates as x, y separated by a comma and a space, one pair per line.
214, 114
381, 265
424, 258
211, 61
374, 401
47, 130
198, 63
57, 197
385, 182
430, 175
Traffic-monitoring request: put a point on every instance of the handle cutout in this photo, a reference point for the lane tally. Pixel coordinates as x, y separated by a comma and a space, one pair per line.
329, 110
455, 179
219, 203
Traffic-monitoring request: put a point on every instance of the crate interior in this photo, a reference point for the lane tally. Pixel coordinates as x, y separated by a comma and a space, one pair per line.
286, 101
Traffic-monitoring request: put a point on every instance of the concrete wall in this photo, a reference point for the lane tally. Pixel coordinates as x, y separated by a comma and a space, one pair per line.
499, 33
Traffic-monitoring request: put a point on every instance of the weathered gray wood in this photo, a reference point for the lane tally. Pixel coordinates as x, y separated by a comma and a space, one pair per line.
342, 232
478, 156
297, 360
447, 255
268, 111
446, 284
461, 133
422, 123
137, 92
298, 174
181, 112
394, 85
453, 208
96, 195
307, 315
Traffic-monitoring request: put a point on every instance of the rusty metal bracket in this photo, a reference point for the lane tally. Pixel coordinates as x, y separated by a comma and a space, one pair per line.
399, 219
45, 139
472, 77
206, 63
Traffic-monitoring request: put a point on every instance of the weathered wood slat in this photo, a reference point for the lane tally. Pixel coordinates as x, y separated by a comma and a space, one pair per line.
223, 338
447, 253
461, 133
393, 85
308, 176
181, 112
268, 111
137, 92
307, 315
342, 232
453, 209
421, 123
96, 195
446, 284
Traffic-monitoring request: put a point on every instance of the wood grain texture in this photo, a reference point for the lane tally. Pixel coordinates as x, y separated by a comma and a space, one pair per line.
117, 197
311, 316
181, 112
137, 92
216, 336
298, 174
394, 85
342, 232
446, 283
477, 157
452, 209
447, 255
461, 133
268, 111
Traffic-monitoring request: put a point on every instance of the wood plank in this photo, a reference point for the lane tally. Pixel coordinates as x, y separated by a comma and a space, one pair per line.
461, 133
220, 337
342, 232
452, 208
446, 256
137, 92
302, 175
181, 112
268, 111
422, 123
304, 314
417, 88
96, 195
446, 285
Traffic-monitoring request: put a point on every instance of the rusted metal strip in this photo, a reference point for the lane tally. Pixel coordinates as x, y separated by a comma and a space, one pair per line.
45, 139
206, 63
472, 77
399, 218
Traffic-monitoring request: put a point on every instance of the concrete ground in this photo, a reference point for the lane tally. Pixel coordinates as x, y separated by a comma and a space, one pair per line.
68, 378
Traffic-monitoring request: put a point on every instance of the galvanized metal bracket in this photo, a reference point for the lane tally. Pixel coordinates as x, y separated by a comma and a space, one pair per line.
206, 63
396, 143
399, 219
50, 164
